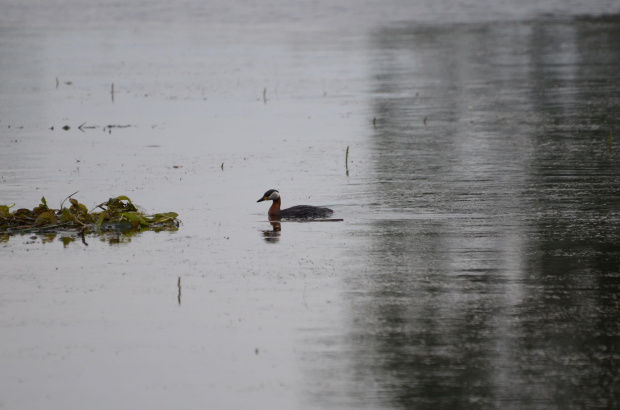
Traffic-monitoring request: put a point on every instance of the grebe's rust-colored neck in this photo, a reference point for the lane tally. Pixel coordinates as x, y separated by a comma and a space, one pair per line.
274, 210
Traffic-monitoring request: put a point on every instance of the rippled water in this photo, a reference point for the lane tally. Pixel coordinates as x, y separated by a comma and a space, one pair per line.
477, 265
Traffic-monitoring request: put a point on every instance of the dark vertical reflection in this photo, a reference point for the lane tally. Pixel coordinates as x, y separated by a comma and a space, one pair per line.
572, 316
491, 275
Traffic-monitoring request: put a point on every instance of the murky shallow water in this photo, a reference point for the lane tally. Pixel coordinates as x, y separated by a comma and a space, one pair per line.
478, 261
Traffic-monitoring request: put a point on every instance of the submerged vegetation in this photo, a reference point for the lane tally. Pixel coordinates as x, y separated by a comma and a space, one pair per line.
116, 215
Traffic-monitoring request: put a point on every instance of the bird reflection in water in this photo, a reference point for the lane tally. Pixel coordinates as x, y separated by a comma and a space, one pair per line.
273, 236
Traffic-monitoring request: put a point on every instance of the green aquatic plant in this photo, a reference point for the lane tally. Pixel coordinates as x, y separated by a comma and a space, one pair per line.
117, 214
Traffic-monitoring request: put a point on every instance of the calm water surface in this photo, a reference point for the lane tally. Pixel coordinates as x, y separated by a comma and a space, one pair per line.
478, 263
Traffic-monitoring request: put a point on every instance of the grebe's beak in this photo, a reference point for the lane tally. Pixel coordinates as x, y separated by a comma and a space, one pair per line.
262, 199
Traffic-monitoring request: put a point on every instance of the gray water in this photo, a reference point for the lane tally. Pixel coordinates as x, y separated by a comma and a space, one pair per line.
478, 263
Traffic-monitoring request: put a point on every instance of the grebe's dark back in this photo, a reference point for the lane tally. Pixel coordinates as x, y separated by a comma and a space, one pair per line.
295, 212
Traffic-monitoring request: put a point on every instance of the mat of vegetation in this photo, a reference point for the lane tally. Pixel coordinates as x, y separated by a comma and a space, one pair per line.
117, 214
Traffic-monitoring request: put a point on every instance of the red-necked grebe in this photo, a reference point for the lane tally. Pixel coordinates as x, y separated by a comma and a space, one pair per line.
298, 212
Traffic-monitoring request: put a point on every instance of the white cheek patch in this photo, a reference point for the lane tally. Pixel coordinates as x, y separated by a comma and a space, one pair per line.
274, 196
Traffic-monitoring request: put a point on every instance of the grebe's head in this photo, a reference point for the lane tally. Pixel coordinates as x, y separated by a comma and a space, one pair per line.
271, 195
